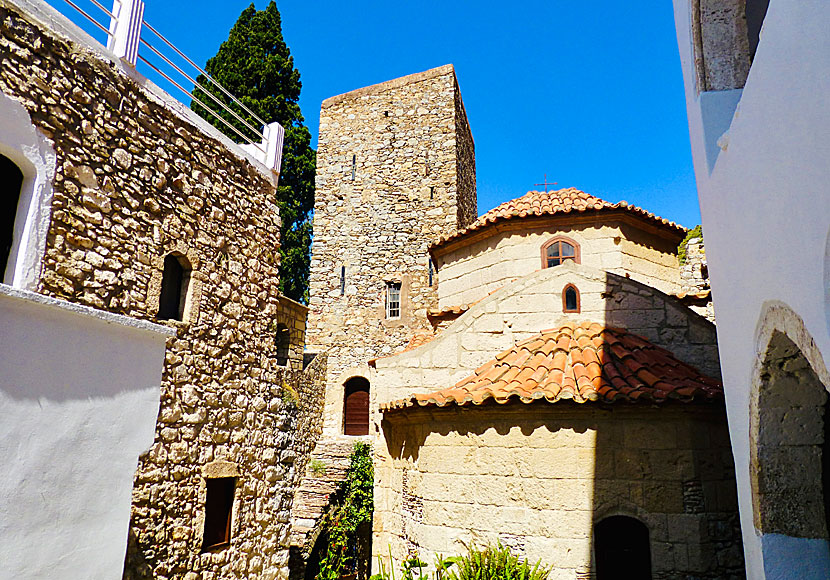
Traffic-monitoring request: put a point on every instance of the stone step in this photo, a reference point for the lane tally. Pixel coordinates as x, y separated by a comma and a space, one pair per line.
324, 474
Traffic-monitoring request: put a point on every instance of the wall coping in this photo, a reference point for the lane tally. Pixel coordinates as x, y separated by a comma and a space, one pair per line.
393, 84
86, 311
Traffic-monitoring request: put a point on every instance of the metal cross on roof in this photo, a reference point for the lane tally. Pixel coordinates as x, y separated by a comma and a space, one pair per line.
546, 183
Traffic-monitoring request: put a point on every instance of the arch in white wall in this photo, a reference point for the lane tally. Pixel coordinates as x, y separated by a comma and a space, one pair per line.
34, 155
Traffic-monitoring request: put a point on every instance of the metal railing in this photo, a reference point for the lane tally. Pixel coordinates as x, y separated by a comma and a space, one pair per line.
127, 40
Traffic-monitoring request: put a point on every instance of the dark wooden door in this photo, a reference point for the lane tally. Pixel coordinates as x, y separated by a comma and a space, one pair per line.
356, 407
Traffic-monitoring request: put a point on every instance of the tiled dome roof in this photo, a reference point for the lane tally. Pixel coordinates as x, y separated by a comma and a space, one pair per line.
547, 203
583, 362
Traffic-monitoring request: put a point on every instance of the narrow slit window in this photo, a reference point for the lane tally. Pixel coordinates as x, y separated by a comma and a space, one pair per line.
570, 299
283, 344
354, 165
11, 181
218, 512
342, 280
174, 282
393, 300
431, 273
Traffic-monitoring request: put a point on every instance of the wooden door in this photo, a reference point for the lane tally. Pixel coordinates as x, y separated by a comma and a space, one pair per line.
356, 407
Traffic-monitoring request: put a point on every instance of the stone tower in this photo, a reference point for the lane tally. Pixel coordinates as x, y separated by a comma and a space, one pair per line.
395, 170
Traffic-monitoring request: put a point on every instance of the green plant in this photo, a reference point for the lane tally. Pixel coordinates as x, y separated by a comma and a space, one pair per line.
255, 65
317, 467
289, 395
695, 232
495, 563
411, 564
348, 522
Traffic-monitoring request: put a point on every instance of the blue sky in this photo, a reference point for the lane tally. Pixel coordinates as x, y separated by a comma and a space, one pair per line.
588, 92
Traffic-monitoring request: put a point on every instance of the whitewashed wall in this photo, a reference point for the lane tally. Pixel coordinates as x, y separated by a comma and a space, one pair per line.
766, 215
79, 397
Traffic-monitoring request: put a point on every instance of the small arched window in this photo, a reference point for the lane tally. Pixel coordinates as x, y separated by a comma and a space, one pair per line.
558, 250
11, 181
622, 543
283, 344
356, 407
570, 299
174, 282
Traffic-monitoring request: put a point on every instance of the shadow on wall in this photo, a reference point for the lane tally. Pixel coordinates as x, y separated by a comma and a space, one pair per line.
669, 485
535, 476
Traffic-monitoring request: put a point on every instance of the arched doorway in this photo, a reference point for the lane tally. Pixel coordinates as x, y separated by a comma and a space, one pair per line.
11, 181
789, 457
356, 407
622, 549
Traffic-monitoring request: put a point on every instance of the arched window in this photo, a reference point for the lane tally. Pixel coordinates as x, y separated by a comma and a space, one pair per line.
283, 344
356, 407
174, 283
11, 181
570, 299
559, 249
622, 543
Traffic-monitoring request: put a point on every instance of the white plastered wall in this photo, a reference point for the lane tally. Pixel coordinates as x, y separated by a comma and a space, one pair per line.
79, 397
765, 204
35, 157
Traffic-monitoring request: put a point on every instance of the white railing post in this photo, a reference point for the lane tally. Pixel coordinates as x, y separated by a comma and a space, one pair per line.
125, 29
269, 151
273, 134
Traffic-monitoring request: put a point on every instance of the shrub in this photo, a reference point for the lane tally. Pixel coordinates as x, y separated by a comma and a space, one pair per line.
495, 563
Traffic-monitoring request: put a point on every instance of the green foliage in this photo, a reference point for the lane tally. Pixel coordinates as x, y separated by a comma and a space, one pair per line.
410, 565
495, 563
317, 467
349, 517
491, 563
695, 232
255, 65
289, 395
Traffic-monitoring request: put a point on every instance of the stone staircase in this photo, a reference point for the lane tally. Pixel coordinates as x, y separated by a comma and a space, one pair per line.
324, 473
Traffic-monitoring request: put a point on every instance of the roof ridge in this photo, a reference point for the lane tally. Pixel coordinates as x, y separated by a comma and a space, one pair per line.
555, 202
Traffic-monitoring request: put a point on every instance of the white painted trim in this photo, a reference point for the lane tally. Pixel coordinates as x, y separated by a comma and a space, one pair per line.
87, 311
35, 157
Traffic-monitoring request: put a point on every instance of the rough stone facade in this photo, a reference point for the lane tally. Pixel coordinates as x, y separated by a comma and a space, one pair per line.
537, 478
694, 273
695, 291
722, 52
395, 169
135, 181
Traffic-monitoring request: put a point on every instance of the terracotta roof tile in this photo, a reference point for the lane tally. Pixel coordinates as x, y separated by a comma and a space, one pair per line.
583, 362
547, 203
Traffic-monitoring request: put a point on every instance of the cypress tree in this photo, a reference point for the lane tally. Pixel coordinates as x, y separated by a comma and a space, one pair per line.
255, 65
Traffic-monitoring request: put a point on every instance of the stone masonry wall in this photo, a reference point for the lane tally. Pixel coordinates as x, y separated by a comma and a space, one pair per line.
136, 181
533, 304
694, 273
539, 477
466, 165
395, 169
471, 271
